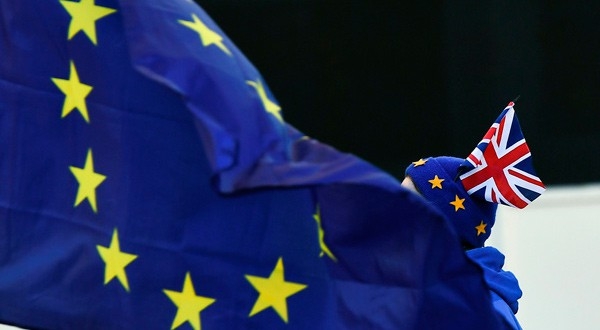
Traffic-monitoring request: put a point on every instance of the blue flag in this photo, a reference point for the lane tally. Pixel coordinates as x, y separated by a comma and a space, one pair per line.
148, 180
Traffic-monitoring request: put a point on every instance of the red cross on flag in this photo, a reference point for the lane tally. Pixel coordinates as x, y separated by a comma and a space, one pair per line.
500, 169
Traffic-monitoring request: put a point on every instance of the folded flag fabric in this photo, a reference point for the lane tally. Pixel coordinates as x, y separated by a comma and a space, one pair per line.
148, 180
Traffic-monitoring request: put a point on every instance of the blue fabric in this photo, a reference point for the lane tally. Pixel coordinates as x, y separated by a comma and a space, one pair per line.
186, 172
464, 220
503, 284
506, 314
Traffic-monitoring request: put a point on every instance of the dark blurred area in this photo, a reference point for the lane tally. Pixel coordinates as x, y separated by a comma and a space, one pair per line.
394, 81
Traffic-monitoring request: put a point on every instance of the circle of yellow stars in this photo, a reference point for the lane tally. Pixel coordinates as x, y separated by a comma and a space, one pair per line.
273, 290
84, 16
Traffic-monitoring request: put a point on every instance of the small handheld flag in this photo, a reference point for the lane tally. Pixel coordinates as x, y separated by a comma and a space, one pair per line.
500, 169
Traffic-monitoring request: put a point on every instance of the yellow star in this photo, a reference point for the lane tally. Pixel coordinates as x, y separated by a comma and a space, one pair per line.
458, 203
88, 181
481, 228
115, 261
436, 182
75, 93
189, 305
84, 15
420, 162
273, 291
207, 36
270, 106
324, 248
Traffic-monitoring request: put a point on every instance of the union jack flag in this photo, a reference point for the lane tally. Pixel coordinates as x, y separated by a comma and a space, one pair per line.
500, 169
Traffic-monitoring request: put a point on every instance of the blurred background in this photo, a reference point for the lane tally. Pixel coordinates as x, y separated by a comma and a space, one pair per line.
394, 81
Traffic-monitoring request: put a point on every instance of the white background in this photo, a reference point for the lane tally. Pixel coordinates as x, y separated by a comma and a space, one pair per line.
552, 247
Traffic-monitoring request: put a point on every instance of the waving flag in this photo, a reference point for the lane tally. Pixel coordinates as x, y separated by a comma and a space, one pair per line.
148, 180
500, 169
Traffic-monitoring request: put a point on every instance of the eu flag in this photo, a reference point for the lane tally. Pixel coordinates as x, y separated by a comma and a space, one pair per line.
148, 180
